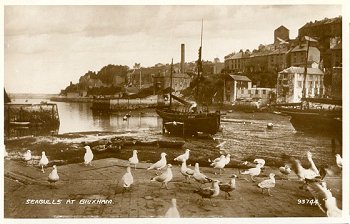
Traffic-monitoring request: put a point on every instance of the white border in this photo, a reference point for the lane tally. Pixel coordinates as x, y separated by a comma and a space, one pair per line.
346, 102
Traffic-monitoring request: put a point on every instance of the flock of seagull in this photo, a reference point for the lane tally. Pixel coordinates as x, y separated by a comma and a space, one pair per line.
312, 178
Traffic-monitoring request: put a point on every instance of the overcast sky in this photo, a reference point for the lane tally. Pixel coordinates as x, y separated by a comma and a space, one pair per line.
48, 46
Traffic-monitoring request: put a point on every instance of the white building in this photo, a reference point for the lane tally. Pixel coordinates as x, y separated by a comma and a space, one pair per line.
290, 84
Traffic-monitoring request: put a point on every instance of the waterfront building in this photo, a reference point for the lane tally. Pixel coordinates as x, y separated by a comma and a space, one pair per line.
290, 84
298, 55
233, 85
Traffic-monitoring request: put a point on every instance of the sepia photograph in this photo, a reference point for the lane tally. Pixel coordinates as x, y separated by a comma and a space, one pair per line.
175, 111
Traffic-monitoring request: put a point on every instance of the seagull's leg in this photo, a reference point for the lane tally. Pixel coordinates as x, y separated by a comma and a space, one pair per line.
220, 171
42, 169
135, 166
268, 190
166, 186
262, 190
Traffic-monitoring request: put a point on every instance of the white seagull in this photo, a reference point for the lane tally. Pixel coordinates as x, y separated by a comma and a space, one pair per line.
43, 161
53, 176
160, 164
303, 173
312, 164
285, 170
255, 171
88, 156
183, 157
127, 179
172, 211
165, 177
134, 160
199, 177
187, 172
209, 192
339, 161
260, 161
219, 164
27, 156
268, 184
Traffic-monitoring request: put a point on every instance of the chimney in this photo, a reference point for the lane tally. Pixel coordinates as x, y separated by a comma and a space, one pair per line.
182, 58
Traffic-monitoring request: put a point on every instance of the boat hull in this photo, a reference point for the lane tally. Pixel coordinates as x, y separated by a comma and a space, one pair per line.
313, 122
180, 123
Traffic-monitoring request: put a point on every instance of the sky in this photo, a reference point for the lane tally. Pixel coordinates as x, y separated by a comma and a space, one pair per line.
46, 47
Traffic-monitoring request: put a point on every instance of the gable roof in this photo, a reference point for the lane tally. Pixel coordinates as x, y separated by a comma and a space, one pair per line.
300, 70
240, 78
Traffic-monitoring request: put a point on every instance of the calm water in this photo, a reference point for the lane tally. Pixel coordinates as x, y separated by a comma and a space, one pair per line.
78, 117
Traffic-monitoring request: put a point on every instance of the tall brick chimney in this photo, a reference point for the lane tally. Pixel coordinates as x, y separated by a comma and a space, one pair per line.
182, 58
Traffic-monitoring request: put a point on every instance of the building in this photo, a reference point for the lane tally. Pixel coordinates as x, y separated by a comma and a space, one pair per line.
298, 55
233, 85
277, 60
281, 34
290, 84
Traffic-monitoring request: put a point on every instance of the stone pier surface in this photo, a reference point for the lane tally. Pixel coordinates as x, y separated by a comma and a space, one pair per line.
100, 185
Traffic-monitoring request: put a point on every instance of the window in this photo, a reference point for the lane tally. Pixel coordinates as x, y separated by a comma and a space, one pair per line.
256, 91
310, 84
242, 91
249, 92
300, 84
264, 91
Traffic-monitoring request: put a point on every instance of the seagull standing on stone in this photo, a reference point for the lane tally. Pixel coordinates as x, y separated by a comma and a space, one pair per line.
183, 157
172, 211
339, 161
27, 156
187, 172
53, 176
228, 187
199, 177
160, 164
43, 161
88, 156
134, 160
268, 184
255, 171
127, 179
165, 177
209, 192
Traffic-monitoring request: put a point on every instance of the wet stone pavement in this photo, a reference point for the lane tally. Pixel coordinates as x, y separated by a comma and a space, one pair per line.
102, 182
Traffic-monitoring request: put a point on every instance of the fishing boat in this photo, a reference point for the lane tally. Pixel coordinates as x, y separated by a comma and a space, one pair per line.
195, 119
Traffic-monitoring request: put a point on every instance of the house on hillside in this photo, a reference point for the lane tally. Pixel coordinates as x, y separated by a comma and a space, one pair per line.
290, 84
233, 85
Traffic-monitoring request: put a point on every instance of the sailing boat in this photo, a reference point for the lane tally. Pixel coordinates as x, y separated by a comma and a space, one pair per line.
325, 118
192, 121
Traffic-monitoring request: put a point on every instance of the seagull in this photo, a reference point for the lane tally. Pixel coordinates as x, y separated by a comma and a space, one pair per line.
125, 118
230, 186
187, 172
255, 171
260, 161
53, 176
43, 161
127, 179
313, 166
228, 158
172, 211
268, 184
326, 202
88, 156
160, 164
339, 161
303, 173
209, 192
199, 177
165, 177
183, 157
134, 160
285, 170
216, 160
27, 156
219, 164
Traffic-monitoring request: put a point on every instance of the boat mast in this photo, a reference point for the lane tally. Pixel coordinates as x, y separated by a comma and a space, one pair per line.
305, 66
171, 82
199, 64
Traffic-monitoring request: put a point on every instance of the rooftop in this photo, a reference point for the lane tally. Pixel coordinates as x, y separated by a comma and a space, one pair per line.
240, 78
300, 70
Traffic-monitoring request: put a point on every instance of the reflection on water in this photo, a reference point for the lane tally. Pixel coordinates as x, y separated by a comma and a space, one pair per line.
78, 117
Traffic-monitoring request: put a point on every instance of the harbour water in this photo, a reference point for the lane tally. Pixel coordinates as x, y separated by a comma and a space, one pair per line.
245, 134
